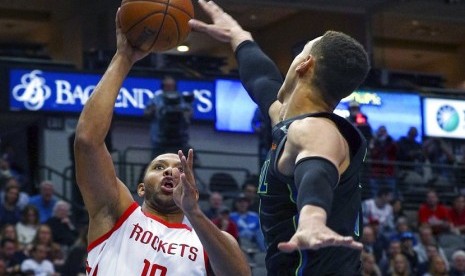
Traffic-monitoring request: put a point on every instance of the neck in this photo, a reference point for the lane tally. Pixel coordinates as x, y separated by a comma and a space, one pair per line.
176, 216
303, 101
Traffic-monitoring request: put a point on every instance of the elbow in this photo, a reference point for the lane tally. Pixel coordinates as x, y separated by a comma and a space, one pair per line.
84, 139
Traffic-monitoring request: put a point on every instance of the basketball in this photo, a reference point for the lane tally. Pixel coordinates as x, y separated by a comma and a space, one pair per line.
156, 25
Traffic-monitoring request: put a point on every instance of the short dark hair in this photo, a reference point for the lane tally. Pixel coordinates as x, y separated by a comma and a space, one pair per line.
341, 66
383, 191
4, 241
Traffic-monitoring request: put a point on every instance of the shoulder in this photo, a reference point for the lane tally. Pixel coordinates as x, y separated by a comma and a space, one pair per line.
444, 208
313, 128
28, 263
423, 208
252, 215
368, 202
34, 199
317, 136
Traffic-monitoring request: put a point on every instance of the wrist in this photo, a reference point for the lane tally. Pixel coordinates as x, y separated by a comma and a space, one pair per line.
314, 214
238, 35
123, 59
193, 213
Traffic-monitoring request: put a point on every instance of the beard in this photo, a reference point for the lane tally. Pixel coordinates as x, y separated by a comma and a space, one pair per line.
161, 202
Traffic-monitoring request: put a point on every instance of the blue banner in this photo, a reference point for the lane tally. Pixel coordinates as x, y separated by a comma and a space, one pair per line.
38, 90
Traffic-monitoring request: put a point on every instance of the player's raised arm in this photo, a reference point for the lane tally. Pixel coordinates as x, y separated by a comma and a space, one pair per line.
258, 73
105, 197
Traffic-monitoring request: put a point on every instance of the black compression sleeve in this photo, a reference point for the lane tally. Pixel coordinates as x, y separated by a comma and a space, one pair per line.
259, 75
315, 179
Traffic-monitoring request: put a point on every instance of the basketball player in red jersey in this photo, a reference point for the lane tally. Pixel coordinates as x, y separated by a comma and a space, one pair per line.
168, 234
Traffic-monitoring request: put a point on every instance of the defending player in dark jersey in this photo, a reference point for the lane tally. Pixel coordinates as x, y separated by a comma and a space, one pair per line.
309, 187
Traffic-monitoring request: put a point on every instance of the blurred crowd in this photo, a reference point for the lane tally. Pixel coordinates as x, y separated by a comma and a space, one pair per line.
427, 241
39, 234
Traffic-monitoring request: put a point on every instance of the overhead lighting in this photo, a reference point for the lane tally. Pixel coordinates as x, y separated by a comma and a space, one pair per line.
183, 48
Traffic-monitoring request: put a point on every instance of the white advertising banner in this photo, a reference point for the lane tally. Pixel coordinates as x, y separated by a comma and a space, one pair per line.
444, 118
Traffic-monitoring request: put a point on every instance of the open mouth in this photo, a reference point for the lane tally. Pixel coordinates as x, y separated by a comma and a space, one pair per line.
168, 185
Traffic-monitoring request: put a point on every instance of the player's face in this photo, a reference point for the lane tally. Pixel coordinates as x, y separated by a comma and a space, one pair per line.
161, 177
291, 77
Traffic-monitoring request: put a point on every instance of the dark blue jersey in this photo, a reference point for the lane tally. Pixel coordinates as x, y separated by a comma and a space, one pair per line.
278, 210
279, 214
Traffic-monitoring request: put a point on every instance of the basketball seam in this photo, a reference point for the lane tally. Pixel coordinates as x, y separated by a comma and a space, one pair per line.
177, 29
179, 8
166, 3
142, 19
161, 25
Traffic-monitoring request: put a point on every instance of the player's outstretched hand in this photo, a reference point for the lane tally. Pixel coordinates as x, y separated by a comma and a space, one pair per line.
315, 235
185, 194
224, 28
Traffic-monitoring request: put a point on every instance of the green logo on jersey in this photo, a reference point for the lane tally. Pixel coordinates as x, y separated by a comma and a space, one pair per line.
263, 185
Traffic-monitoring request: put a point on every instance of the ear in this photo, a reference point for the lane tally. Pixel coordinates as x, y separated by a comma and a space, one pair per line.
141, 189
305, 65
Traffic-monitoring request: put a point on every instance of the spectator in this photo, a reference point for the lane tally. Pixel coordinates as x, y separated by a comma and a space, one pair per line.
399, 266
360, 120
12, 256
402, 226
44, 201
75, 263
383, 152
460, 171
431, 252
37, 264
23, 196
406, 244
410, 151
435, 214
247, 223
225, 223
458, 263
216, 202
380, 209
394, 248
426, 238
8, 231
371, 244
3, 271
171, 113
63, 230
54, 251
27, 226
6, 172
249, 188
441, 157
9, 211
457, 214
369, 266
398, 209
438, 267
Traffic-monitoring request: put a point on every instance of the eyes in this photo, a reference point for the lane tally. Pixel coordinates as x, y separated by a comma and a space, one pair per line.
161, 167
